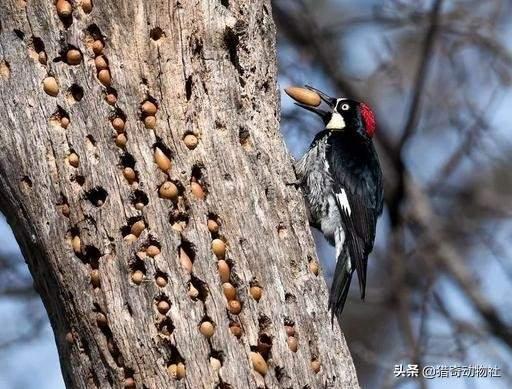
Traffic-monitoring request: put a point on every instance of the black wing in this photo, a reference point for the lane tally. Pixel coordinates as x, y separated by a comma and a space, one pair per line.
355, 168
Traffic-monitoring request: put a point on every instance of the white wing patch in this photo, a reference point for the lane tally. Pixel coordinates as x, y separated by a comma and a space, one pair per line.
343, 201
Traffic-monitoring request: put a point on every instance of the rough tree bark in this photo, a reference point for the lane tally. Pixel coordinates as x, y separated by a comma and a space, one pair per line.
80, 186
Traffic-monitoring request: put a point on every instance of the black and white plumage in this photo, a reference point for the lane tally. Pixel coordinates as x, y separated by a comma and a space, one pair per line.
341, 179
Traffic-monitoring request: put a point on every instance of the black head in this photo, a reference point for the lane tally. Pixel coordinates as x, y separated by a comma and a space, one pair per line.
344, 114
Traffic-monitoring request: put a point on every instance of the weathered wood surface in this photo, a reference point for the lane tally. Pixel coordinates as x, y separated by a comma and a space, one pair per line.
210, 68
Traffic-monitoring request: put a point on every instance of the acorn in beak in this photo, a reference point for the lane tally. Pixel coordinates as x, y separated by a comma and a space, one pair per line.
310, 98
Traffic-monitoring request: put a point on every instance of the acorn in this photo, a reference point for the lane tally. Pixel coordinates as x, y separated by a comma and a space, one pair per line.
118, 124
137, 277
42, 57
191, 141
50, 86
303, 95
121, 140
64, 122
95, 278
73, 160
104, 77
185, 261
313, 267
137, 228
65, 210
161, 281
292, 343
315, 365
168, 190
73, 57
219, 248
129, 174
197, 190
290, 331
215, 363
64, 8
139, 206
213, 226
130, 238
150, 122
101, 319
224, 271
181, 371
76, 244
97, 46
163, 307
129, 382
149, 108
207, 329
70, 338
100, 62
152, 251
256, 292
86, 6
258, 363
229, 291
173, 370
163, 162
235, 329
111, 98
235, 307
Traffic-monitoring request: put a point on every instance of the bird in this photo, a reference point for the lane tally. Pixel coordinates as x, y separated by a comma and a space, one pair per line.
341, 179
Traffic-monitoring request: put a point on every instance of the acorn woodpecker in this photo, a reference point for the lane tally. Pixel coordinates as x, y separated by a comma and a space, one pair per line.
341, 179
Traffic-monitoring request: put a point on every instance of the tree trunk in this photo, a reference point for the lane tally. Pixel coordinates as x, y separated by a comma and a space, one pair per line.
129, 271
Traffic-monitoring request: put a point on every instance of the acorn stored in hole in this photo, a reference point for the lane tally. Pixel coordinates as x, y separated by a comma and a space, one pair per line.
111, 98
185, 261
258, 363
101, 319
152, 251
129, 174
224, 270
197, 190
313, 267
118, 124
161, 281
315, 365
104, 77
163, 307
168, 190
235, 329
86, 6
70, 338
97, 46
64, 8
193, 293
256, 292
137, 277
64, 122
100, 62
73, 57
219, 248
229, 291
213, 226
215, 363
95, 278
235, 307
191, 141
76, 244
163, 162
303, 95
129, 383
290, 331
149, 108
121, 140
150, 122
292, 343
42, 57
50, 86
73, 160
177, 371
207, 329
137, 228
130, 238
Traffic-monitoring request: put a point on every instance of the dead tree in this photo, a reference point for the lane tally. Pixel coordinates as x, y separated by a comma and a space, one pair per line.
145, 178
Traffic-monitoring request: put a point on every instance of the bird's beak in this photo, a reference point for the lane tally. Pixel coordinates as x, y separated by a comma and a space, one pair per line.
330, 101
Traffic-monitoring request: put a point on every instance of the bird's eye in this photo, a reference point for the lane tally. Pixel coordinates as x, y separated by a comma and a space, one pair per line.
345, 107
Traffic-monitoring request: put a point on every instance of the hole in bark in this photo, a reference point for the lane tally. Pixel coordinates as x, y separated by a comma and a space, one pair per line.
231, 40
97, 196
223, 385
197, 46
225, 3
26, 182
20, 34
156, 33
281, 373
290, 298
197, 182
244, 137
188, 87
264, 322
79, 179
139, 199
200, 286
134, 226
67, 20
76, 92
92, 142
161, 145
127, 160
91, 255
282, 231
264, 345
94, 32
179, 220
217, 354
60, 118
235, 329
165, 326
161, 278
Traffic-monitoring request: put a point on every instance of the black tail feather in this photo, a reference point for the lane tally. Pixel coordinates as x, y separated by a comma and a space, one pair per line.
340, 285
